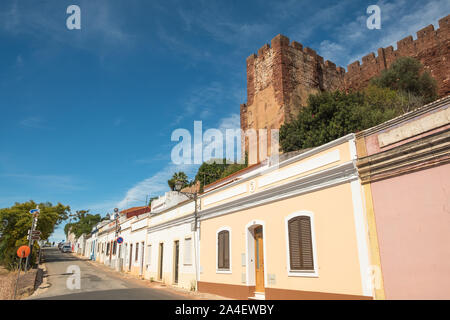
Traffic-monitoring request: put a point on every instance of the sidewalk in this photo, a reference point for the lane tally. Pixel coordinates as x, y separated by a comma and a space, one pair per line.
156, 285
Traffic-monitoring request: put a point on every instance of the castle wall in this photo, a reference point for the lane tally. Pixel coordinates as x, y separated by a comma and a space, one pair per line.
282, 75
431, 48
279, 80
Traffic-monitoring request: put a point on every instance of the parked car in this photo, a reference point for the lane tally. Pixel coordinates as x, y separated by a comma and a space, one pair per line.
60, 245
66, 248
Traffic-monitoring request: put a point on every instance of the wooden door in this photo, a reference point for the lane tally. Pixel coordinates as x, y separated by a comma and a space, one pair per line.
176, 262
161, 255
141, 269
259, 260
131, 256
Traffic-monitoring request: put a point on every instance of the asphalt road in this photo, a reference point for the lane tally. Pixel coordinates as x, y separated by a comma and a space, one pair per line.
94, 283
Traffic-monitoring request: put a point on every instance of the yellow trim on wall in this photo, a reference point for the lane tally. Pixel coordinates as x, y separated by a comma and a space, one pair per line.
372, 227
373, 240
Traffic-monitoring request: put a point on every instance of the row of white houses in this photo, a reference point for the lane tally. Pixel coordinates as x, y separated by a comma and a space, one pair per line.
334, 222
263, 232
156, 244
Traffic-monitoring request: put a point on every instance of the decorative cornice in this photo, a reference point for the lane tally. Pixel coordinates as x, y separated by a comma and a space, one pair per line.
428, 108
343, 173
286, 162
174, 222
415, 155
178, 205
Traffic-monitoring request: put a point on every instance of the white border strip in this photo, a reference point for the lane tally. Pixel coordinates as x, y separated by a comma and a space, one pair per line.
303, 167
360, 224
226, 194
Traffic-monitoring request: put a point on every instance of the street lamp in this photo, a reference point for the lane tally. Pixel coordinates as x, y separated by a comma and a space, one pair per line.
116, 217
191, 195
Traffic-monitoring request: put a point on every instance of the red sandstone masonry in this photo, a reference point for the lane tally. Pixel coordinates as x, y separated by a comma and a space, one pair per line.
295, 71
431, 48
283, 65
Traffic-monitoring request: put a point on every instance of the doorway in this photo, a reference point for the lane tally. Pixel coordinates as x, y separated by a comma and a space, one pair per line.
141, 270
259, 260
176, 259
131, 257
125, 255
160, 265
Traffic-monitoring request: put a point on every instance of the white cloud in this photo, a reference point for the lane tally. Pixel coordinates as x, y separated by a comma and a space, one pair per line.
33, 123
101, 25
117, 122
153, 186
19, 61
351, 41
231, 122
202, 100
329, 50
54, 182
157, 183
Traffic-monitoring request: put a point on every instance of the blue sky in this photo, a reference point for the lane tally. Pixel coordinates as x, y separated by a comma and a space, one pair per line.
87, 115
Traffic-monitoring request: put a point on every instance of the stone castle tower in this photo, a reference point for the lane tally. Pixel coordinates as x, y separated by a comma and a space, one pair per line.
282, 75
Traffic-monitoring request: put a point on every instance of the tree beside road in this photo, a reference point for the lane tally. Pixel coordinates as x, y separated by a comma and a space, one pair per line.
17, 220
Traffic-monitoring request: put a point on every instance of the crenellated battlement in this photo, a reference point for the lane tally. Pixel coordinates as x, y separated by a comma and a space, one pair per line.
281, 42
282, 74
431, 47
275, 63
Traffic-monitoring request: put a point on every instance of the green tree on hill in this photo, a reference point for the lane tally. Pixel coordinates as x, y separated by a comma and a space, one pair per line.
16, 221
84, 222
330, 115
406, 76
216, 169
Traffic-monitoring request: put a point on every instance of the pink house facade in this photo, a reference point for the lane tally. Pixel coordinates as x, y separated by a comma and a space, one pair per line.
404, 165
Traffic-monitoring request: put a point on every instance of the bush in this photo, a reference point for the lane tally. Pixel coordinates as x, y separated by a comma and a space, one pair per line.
406, 75
330, 115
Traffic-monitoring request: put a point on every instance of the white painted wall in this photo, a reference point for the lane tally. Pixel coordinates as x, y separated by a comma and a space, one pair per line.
168, 236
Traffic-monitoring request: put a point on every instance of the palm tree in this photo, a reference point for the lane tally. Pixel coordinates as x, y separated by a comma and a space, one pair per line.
178, 176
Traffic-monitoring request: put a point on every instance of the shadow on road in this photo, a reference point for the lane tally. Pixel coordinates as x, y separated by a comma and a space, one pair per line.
59, 274
118, 294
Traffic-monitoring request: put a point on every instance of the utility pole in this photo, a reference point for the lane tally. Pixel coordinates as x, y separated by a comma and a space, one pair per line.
35, 213
193, 196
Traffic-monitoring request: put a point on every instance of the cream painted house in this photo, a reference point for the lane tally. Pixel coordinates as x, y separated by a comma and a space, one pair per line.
292, 230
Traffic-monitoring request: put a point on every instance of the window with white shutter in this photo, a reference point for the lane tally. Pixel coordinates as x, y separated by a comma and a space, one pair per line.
149, 253
187, 258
